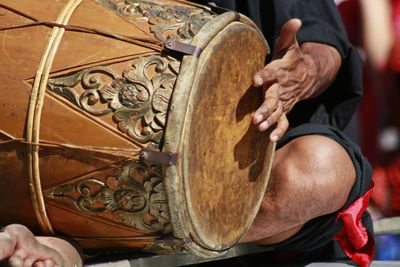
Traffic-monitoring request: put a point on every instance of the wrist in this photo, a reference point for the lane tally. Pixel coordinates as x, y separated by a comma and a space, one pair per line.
324, 61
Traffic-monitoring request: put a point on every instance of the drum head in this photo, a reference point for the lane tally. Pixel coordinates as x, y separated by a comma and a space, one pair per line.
216, 187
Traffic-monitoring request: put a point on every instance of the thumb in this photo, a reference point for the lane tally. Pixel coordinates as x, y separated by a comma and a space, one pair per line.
287, 37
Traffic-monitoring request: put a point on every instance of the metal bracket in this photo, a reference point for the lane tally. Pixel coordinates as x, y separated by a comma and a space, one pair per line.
153, 157
183, 48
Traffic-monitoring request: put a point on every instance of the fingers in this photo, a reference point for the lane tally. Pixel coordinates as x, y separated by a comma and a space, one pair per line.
45, 263
29, 261
23, 259
270, 113
264, 77
271, 120
281, 127
16, 261
262, 116
287, 37
281, 121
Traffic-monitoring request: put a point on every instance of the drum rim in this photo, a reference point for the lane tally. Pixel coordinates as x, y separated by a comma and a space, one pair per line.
175, 128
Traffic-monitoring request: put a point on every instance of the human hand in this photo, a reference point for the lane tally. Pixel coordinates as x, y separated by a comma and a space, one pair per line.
285, 80
295, 73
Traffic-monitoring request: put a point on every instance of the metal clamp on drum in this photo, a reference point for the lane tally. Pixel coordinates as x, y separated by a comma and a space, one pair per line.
157, 157
183, 48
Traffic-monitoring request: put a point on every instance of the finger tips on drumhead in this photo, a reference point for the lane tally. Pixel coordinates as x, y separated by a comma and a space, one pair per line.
257, 118
263, 126
279, 131
274, 137
257, 80
263, 77
261, 113
276, 134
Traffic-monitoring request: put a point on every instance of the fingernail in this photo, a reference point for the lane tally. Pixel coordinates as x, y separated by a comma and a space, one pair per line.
258, 81
274, 138
258, 118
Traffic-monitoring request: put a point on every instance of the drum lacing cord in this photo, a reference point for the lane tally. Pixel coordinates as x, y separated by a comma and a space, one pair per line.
111, 151
150, 43
34, 115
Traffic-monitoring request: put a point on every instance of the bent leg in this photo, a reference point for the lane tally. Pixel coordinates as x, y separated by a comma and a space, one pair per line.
22, 248
311, 176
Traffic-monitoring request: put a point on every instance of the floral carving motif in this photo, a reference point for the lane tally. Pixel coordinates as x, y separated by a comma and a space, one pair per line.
167, 21
121, 197
138, 99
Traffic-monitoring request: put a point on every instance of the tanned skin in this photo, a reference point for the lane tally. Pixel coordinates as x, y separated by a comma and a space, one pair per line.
304, 184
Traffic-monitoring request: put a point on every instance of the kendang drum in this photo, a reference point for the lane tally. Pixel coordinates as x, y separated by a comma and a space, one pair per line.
127, 123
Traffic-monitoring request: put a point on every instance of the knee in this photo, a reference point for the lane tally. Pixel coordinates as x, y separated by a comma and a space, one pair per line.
315, 172
319, 156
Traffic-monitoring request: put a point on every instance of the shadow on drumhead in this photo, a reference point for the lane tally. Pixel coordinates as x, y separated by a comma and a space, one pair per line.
250, 151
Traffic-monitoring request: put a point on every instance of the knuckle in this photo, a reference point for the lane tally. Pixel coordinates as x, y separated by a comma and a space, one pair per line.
285, 121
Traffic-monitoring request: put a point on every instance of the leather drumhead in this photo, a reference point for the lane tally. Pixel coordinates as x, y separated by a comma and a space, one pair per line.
223, 160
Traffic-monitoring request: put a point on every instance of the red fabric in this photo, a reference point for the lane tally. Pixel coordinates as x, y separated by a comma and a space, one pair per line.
356, 242
393, 177
351, 16
350, 12
369, 120
381, 196
386, 195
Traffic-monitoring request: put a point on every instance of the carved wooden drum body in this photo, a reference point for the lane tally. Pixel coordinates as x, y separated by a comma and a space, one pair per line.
127, 124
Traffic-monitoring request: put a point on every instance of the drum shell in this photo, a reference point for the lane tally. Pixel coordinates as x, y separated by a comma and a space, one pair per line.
88, 152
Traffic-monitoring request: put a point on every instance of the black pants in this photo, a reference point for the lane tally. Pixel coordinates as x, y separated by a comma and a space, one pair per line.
314, 240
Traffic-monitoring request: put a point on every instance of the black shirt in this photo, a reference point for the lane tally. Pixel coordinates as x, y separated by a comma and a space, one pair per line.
321, 23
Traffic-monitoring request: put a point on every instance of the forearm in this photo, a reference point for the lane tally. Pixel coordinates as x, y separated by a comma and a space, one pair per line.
325, 61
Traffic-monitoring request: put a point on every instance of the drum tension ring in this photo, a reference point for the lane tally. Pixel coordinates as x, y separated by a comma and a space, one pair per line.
153, 157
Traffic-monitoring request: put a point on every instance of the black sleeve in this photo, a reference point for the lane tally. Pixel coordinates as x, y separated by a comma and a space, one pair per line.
321, 23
